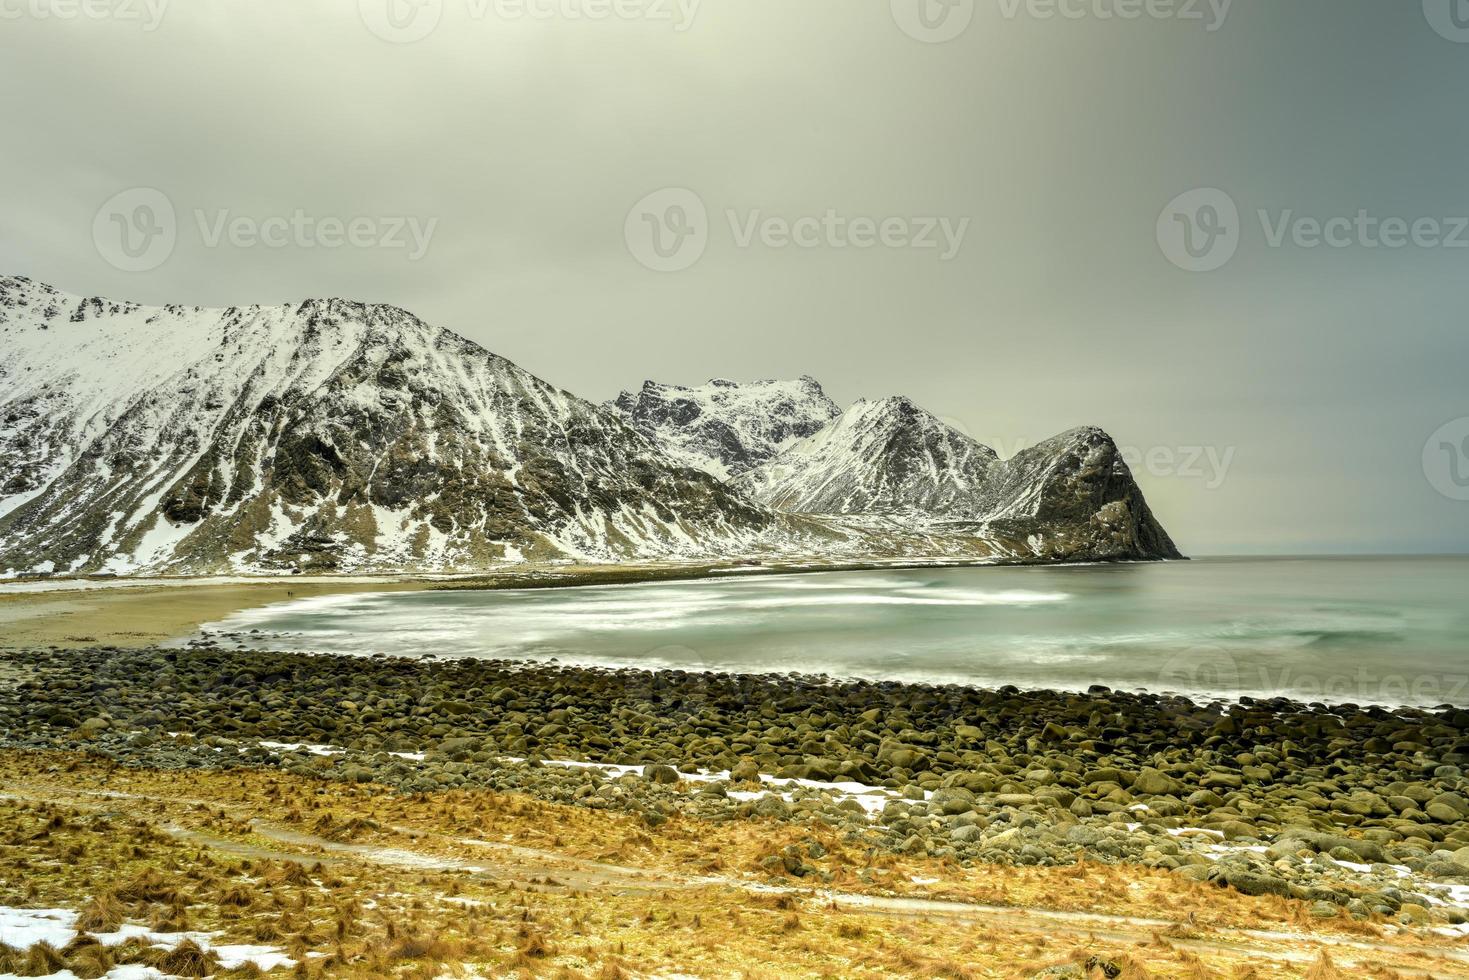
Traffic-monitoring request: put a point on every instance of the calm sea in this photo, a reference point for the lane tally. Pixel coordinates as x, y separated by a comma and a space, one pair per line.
1374, 630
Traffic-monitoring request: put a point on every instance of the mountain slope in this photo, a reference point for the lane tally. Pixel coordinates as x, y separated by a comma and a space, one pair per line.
725, 427
326, 434
1073, 495
886, 456
1069, 498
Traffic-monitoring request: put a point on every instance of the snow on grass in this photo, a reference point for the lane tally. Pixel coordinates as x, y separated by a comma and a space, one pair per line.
24, 928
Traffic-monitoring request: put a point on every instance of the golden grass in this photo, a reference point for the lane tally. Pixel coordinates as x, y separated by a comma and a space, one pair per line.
562, 916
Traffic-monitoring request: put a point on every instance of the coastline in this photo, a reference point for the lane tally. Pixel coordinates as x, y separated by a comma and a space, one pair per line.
75, 612
1072, 827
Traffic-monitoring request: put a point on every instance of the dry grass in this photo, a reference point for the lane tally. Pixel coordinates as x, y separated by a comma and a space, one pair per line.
103, 913
372, 920
1324, 969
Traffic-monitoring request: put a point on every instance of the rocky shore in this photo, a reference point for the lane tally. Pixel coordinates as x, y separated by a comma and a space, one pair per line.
1357, 811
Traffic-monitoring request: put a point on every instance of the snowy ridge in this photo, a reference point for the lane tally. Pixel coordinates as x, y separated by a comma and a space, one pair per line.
726, 427
1068, 498
877, 457
322, 435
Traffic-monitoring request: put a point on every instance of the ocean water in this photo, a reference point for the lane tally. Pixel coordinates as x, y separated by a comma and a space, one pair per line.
1374, 631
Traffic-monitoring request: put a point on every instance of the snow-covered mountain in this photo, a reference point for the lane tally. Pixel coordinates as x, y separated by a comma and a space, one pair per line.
726, 427
1070, 496
877, 457
333, 435
326, 434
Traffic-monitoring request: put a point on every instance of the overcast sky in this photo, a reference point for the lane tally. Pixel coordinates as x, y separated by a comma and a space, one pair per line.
971, 204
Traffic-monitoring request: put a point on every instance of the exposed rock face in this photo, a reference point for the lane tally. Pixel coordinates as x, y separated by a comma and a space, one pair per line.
727, 427
323, 435
1074, 495
1071, 497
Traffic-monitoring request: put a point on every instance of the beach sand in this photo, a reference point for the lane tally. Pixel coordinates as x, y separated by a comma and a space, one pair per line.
139, 616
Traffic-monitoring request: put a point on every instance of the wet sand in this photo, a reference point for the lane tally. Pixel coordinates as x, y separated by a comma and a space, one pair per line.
146, 615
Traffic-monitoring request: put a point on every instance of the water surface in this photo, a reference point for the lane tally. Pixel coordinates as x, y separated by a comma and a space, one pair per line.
1384, 630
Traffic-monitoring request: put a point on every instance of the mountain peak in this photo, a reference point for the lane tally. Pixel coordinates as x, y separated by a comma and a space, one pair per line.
882, 456
894, 405
725, 427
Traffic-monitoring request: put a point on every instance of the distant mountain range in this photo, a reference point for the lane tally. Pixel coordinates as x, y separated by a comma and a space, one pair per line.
338, 436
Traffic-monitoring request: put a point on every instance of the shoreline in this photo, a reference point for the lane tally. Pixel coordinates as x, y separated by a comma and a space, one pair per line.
73, 612
138, 613
273, 643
